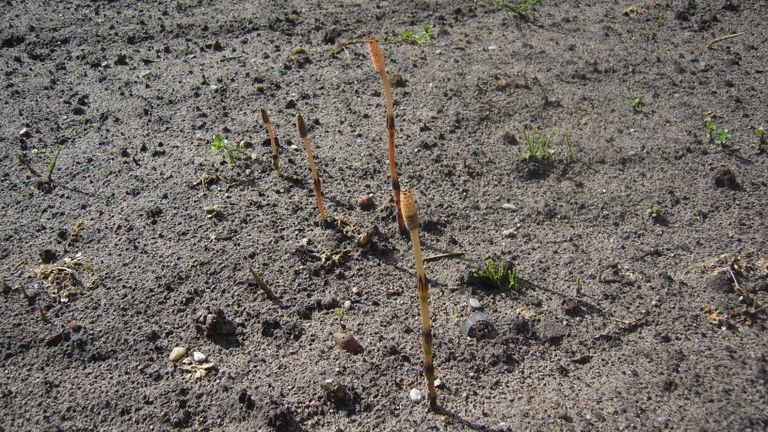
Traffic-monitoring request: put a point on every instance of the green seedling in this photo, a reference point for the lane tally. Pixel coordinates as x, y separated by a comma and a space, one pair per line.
230, 153
497, 275
654, 212
525, 10
537, 145
44, 184
411, 38
340, 313
636, 103
762, 139
717, 135
212, 210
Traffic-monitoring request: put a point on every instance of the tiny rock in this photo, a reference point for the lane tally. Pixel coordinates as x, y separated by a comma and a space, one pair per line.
177, 354
365, 202
347, 342
475, 303
24, 133
509, 206
347, 305
509, 233
199, 357
415, 395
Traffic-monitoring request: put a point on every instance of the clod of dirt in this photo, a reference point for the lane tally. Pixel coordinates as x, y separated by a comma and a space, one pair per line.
723, 176
327, 303
347, 342
571, 307
48, 256
269, 325
551, 332
213, 324
520, 327
340, 396
720, 282
478, 327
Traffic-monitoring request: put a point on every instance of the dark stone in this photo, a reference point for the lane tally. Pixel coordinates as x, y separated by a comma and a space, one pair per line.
213, 324
330, 36
328, 303
48, 256
269, 325
571, 307
551, 331
724, 176
340, 396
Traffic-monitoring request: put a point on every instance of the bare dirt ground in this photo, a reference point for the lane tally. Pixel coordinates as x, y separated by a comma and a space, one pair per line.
639, 240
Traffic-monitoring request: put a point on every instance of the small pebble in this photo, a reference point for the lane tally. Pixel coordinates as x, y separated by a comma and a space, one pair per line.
199, 357
347, 342
24, 133
439, 383
509, 206
509, 233
415, 395
365, 202
177, 354
347, 305
475, 303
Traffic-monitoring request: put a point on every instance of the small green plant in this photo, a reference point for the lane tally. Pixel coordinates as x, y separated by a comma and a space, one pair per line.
44, 184
636, 103
230, 153
717, 135
537, 145
340, 313
212, 210
498, 275
762, 139
654, 212
526, 10
411, 38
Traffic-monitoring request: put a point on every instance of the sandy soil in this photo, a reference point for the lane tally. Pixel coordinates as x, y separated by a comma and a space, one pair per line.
639, 243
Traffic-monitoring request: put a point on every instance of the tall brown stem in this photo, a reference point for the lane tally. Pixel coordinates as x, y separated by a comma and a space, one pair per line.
315, 177
272, 140
377, 58
422, 287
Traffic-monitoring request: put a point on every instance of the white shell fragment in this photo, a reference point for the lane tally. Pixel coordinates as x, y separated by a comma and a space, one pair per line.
475, 303
199, 357
415, 395
177, 354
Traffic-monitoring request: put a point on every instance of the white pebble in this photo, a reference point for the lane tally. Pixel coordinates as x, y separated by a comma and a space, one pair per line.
347, 305
509, 206
415, 395
198, 357
508, 233
438, 383
177, 354
475, 303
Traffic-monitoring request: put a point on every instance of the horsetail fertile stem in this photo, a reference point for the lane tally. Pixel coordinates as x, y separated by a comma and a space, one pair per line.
412, 223
377, 58
268, 125
315, 177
